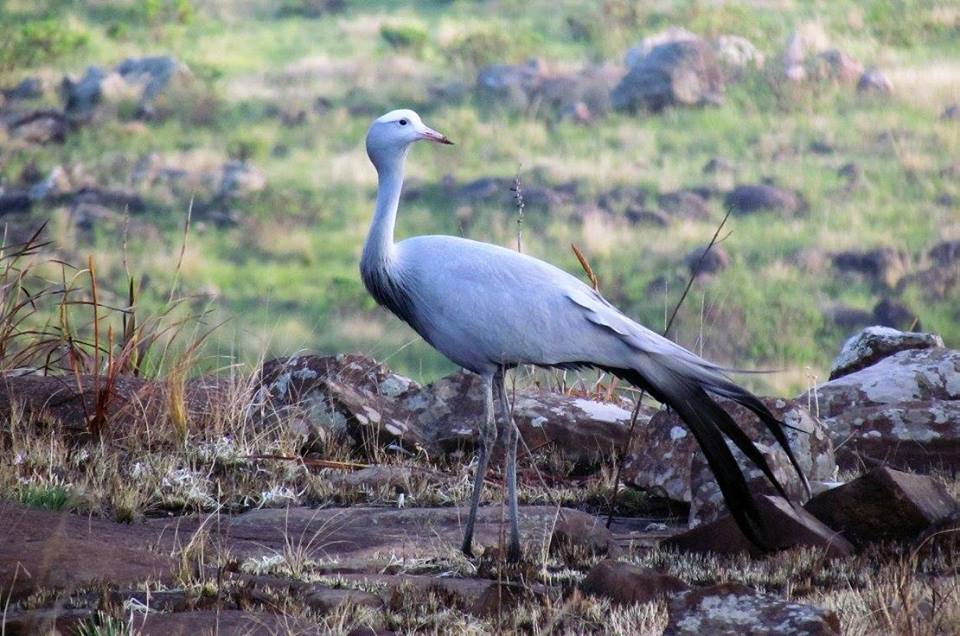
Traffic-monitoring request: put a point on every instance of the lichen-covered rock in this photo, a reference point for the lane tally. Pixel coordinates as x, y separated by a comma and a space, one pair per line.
875, 343
748, 199
907, 376
355, 395
884, 504
734, 608
662, 458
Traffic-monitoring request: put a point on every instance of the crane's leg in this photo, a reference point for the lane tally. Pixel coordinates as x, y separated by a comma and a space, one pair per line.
488, 437
514, 552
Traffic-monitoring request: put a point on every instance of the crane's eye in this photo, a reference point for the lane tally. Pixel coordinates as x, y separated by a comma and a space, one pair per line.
402, 122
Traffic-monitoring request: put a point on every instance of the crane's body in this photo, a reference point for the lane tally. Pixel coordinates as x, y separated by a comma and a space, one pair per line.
488, 309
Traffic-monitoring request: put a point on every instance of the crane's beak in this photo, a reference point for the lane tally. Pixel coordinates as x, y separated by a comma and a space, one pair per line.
432, 135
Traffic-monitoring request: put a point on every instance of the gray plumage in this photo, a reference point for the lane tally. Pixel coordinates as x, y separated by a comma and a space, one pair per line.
489, 309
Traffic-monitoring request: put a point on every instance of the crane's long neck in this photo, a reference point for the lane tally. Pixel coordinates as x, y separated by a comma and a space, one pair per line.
378, 249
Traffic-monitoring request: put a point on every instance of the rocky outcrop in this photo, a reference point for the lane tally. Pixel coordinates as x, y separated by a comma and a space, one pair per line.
357, 396
883, 265
145, 81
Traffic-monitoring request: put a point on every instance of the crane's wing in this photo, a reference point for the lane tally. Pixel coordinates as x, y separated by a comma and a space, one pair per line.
484, 306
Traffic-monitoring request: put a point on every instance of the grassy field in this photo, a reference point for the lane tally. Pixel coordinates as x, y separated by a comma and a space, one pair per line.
291, 87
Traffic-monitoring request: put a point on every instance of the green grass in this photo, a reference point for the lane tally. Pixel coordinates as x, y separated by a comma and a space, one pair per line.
286, 276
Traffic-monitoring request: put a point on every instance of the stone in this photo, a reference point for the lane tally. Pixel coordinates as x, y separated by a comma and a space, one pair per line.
61, 552
945, 253
534, 86
56, 184
53, 621
82, 96
846, 317
669, 36
884, 265
684, 204
700, 261
683, 72
576, 535
874, 81
923, 375
837, 66
27, 88
788, 526
625, 583
951, 113
805, 41
40, 127
663, 451
875, 343
240, 179
748, 199
883, 505
145, 80
354, 395
225, 621
14, 202
896, 314
707, 502
738, 53
327, 599
734, 608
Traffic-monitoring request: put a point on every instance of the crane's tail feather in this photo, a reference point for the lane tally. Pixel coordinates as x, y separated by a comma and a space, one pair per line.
686, 388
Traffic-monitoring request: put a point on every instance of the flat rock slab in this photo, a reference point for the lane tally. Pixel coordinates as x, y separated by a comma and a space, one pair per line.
625, 583
735, 609
884, 504
223, 622
43, 549
364, 532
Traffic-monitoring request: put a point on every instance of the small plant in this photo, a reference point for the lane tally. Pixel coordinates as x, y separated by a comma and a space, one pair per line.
49, 496
35, 42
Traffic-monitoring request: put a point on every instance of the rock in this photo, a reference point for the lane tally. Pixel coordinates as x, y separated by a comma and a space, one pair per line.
734, 608
883, 505
499, 191
747, 199
355, 395
27, 88
807, 40
945, 253
671, 35
737, 53
240, 179
951, 113
936, 283
706, 500
145, 80
664, 449
58, 551
534, 85
837, 66
56, 184
14, 202
852, 172
699, 261
52, 621
848, 318
917, 435
684, 204
579, 535
677, 73
906, 376
225, 621
718, 165
875, 343
895, 314
874, 81
787, 527
326, 599
883, 265
625, 583
40, 127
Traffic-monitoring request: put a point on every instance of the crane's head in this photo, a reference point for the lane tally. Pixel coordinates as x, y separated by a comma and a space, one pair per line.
391, 135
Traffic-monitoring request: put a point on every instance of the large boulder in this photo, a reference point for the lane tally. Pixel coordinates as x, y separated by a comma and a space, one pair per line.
875, 343
734, 608
680, 72
885, 504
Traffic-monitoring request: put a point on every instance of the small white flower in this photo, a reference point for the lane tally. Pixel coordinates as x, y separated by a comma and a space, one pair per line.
18, 459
